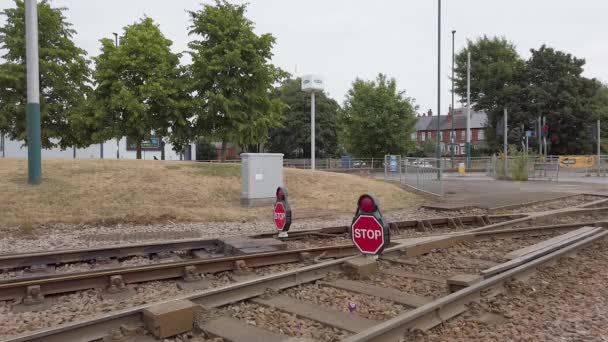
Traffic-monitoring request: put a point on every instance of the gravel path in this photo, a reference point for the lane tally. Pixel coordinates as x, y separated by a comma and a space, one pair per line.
552, 205
564, 302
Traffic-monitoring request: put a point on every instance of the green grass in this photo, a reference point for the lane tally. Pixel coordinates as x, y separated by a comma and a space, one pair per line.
218, 170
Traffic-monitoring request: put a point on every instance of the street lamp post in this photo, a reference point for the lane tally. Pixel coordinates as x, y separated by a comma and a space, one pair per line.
117, 139
312, 84
34, 143
438, 89
452, 136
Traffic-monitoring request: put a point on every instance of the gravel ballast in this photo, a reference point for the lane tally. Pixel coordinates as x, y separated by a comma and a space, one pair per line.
564, 302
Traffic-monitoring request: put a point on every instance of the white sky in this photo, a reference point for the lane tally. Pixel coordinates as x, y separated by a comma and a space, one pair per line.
345, 39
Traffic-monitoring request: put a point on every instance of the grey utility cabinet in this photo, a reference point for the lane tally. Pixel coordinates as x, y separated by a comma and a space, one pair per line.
261, 174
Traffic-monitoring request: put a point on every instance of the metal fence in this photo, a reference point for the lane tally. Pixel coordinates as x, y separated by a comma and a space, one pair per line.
524, 167
344, 164
423, 174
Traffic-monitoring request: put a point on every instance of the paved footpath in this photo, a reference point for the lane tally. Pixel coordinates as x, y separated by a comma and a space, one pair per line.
484, 192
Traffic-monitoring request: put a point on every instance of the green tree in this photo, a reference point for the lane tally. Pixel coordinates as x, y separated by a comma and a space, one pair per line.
293, 138
557, 90
377, 118
232, 76
205, 150
140, 87
496, 81
64, 78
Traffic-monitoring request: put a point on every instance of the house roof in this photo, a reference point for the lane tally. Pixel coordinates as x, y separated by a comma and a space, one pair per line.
429, 123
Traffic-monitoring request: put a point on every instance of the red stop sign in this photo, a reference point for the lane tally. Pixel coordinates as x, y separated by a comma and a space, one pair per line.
367, 234
280, 217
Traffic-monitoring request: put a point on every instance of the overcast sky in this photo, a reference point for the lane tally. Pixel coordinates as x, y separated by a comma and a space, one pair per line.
345, 39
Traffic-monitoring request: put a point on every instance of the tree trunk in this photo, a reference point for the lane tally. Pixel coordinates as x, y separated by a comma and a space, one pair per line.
162, 149
138, 155
223, 151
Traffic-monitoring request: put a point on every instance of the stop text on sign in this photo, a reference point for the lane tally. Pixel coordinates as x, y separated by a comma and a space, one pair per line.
367, 233
279, 216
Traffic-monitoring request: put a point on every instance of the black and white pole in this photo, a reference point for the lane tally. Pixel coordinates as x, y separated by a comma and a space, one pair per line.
34, 148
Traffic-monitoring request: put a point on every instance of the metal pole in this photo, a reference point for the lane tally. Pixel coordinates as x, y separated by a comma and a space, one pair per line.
312, 130
468, 131
545, 137
452, 137
540, 134
117, 139
599, 158
505, 144
438, 88
34, 143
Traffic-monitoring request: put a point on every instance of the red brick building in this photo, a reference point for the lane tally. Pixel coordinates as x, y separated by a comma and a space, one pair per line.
426, 129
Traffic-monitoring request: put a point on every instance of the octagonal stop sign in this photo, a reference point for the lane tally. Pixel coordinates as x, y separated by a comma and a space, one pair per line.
368, 234
282, 212
280, 215
368, 231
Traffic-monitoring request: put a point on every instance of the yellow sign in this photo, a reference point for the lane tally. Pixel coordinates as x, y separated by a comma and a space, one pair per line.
577, 162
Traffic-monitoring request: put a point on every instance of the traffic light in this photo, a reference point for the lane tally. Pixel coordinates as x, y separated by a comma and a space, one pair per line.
545, 131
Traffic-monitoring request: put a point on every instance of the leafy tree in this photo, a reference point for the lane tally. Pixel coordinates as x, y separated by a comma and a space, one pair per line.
64, 78
232, 76
293, 138
377, 119
140, 87
557, 90
496, 81
205, 150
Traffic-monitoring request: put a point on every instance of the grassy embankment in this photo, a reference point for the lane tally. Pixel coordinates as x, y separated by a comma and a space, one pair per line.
97, 191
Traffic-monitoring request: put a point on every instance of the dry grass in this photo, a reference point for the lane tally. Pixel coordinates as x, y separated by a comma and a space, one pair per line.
91, 191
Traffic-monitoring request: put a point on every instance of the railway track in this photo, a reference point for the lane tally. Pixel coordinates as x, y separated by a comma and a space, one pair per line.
210, 248
407, 261
208, 256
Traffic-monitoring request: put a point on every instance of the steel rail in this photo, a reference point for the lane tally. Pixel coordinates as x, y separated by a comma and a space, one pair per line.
391, 330
68, 282
446, 307
22, 260
18, 260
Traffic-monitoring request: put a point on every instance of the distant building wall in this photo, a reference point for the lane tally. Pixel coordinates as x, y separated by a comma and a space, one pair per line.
15, 149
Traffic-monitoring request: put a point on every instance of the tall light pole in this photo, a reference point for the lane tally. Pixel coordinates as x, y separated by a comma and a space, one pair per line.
32, 112
313, 135
452, 136
312, 84
117, 139
468, 131
438, 88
